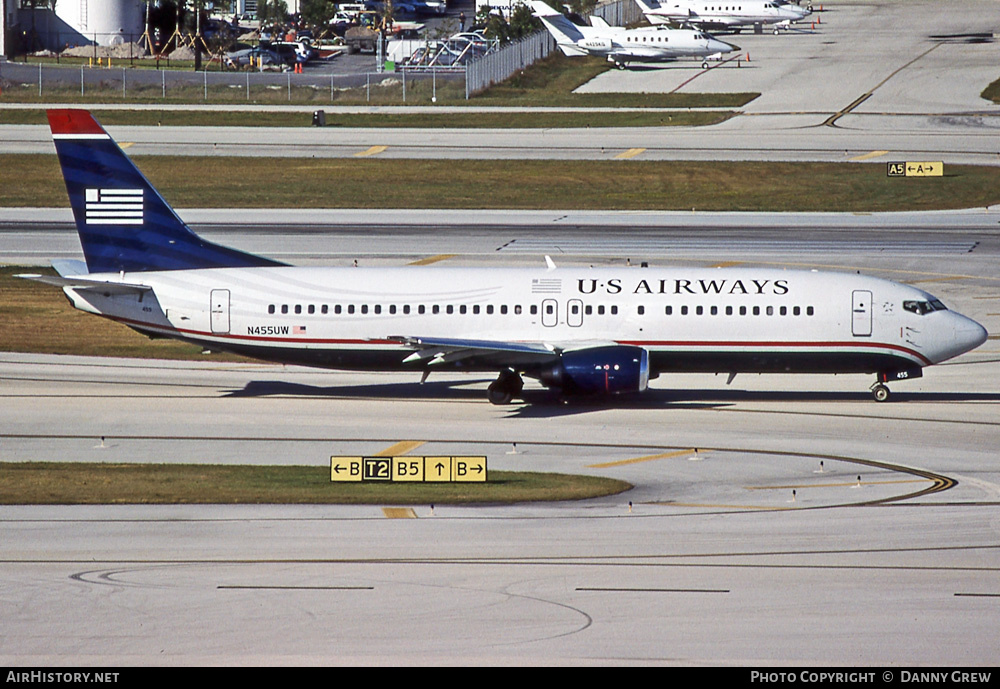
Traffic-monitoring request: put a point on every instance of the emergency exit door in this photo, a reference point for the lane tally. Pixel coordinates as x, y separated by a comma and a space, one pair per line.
220, 311
861, 313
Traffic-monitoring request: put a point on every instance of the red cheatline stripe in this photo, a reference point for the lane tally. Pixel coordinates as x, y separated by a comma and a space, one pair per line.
772, 346
73, 122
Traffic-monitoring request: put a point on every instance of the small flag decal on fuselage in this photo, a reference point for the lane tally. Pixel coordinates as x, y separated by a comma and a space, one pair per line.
114, 206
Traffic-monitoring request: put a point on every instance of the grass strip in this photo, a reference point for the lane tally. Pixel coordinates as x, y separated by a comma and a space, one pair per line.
992, 92
87, 483
420, 120
634, 184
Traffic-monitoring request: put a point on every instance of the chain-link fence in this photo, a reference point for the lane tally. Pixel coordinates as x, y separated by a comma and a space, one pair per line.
50, 81
107, 73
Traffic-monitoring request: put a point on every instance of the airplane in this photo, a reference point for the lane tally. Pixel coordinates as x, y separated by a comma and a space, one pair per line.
579, 331
622, 46
723, 15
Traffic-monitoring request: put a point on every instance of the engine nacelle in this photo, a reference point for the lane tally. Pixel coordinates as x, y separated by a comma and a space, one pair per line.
600, 371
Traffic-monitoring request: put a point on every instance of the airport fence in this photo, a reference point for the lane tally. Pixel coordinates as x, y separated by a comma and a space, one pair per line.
112, 76
501, 64
122, 83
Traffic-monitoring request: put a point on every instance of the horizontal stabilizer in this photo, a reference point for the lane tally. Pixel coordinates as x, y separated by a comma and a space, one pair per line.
78, 282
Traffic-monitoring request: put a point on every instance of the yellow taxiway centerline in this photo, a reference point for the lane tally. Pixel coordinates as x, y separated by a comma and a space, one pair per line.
646, 458
869, 156
432, 259
630, 153
400, 448
373, 151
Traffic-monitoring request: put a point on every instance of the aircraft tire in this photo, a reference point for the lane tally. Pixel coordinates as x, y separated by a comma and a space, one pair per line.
498, 395
880, 393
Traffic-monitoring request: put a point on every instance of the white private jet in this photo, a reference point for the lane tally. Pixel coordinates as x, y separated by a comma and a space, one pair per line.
723, 15
622, 46
581, 331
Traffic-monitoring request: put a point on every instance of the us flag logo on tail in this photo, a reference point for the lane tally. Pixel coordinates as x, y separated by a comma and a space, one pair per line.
114, 206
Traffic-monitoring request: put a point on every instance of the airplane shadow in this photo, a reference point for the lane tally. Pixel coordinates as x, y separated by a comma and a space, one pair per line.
439, 390
540, 404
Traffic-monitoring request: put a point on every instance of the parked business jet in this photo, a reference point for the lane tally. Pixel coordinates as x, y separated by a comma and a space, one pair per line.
622, 46
578, 330
723, 15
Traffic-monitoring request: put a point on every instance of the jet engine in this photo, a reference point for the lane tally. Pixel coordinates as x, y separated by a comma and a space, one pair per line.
599, 371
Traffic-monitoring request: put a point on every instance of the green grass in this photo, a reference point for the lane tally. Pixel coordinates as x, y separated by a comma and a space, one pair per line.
992, 92
79, 483
34, 180
425, 120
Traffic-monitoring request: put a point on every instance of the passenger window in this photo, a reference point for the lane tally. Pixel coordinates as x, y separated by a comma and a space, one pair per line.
270, 308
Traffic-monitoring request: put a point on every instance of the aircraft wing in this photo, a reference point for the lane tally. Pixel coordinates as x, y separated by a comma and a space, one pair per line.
437, 350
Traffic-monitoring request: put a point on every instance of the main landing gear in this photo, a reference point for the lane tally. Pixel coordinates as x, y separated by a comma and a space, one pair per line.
505, 388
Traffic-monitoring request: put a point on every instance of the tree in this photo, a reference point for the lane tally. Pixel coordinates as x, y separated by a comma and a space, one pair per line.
317, 13
272, 12
523, 22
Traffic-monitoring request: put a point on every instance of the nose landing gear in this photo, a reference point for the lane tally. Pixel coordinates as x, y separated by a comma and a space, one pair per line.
880, 392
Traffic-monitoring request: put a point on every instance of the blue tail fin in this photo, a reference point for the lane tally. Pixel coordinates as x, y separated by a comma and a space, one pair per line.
123, 222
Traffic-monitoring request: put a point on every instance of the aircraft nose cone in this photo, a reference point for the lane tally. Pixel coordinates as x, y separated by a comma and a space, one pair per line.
970, 335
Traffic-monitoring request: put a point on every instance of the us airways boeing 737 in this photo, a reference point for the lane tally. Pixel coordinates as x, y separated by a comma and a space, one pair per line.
622, 46
580, 331
722, 15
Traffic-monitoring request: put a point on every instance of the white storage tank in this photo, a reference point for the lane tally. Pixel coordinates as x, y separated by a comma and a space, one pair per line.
106, 22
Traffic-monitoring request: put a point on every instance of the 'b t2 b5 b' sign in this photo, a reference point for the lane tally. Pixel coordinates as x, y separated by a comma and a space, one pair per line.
445, 469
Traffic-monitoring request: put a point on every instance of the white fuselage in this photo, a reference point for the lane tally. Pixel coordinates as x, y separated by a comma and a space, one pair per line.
712, 15
732, 319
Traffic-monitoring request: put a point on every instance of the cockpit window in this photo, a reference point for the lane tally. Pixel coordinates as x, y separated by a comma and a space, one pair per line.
923, 307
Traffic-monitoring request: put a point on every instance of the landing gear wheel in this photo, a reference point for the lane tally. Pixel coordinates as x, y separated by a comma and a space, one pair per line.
880, 392
497, 395
704, 65
620, 65
507, 385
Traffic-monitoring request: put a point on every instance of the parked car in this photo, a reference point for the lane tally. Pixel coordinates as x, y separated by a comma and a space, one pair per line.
256, 57
292, 51
435, 7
